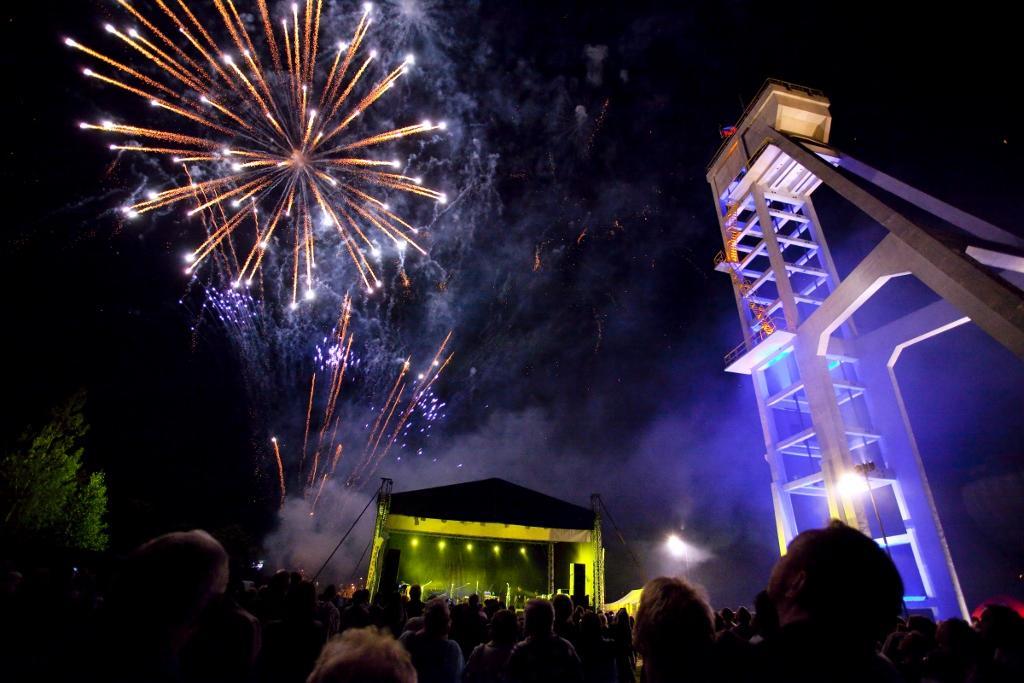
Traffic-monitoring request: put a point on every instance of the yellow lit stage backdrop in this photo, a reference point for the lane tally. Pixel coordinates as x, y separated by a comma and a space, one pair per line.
489, 537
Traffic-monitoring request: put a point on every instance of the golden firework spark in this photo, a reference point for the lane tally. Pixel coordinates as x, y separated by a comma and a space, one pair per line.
280, 468
324, 446
269, 132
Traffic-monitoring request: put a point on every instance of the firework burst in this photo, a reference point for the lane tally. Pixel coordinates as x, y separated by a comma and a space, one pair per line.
267, 144
322, 447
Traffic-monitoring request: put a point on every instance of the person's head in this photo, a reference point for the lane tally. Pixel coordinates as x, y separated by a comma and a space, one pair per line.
766, 620
743, 617
590, 626
300, 605
956, 637
673, 626
923, 625
1000, 626
330, 593
727, 616
436, 618
361, 597
474, 602
839, 579
189, 568
504, 627
622, 628
562, 605
361, 655
539, 616
278, 582
10, 581
414, 624
415, 591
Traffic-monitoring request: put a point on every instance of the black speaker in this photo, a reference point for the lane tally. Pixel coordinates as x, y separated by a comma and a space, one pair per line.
579, 583
389, 571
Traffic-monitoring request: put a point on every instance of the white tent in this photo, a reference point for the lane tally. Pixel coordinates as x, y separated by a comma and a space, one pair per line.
630, 601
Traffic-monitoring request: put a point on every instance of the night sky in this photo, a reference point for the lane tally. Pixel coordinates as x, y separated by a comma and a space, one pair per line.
574, 266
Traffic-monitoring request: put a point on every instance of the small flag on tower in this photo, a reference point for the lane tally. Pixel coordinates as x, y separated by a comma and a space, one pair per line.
727, 131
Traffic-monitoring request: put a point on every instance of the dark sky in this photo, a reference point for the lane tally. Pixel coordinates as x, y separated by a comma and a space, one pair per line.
582, 364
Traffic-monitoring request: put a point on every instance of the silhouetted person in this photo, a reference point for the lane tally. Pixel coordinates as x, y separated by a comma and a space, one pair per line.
728, 619
27, 626
674, 632
765, 623
955, 654
1001, 641
837, 594
743, 627
595, 651
469, 624
488, 661
273, 596
909, 655
357, 615
625, 657
437, 659
543, 657
363, 656
390, 612
327, 613
414, 625
414, 608
291, 645
732, 656
226, 643
925, 626
564, 626
144, 636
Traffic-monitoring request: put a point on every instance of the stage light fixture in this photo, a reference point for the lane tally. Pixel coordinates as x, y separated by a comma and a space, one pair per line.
469, 546
440, 545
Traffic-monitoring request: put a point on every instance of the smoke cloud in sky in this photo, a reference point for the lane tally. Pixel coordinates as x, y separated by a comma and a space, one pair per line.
562, 265
572, 263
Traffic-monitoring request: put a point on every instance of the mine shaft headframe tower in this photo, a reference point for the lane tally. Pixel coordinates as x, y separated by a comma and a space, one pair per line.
819, 384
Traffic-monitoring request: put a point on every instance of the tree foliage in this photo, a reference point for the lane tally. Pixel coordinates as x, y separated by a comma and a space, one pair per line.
45, 495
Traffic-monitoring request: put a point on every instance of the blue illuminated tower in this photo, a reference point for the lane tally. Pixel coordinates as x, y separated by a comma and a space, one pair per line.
838, 439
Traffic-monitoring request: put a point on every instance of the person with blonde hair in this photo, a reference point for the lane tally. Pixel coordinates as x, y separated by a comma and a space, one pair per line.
364, 655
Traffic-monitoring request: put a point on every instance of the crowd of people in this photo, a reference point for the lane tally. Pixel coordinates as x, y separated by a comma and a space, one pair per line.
832, 611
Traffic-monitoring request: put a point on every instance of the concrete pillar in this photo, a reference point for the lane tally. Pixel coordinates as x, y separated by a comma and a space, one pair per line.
879, 352
778, 264
829, 429
785, 518
991, 302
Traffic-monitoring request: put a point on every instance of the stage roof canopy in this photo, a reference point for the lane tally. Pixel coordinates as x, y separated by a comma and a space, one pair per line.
492, 501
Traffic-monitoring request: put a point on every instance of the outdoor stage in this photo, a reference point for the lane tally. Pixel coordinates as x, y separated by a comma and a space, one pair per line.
489, 537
